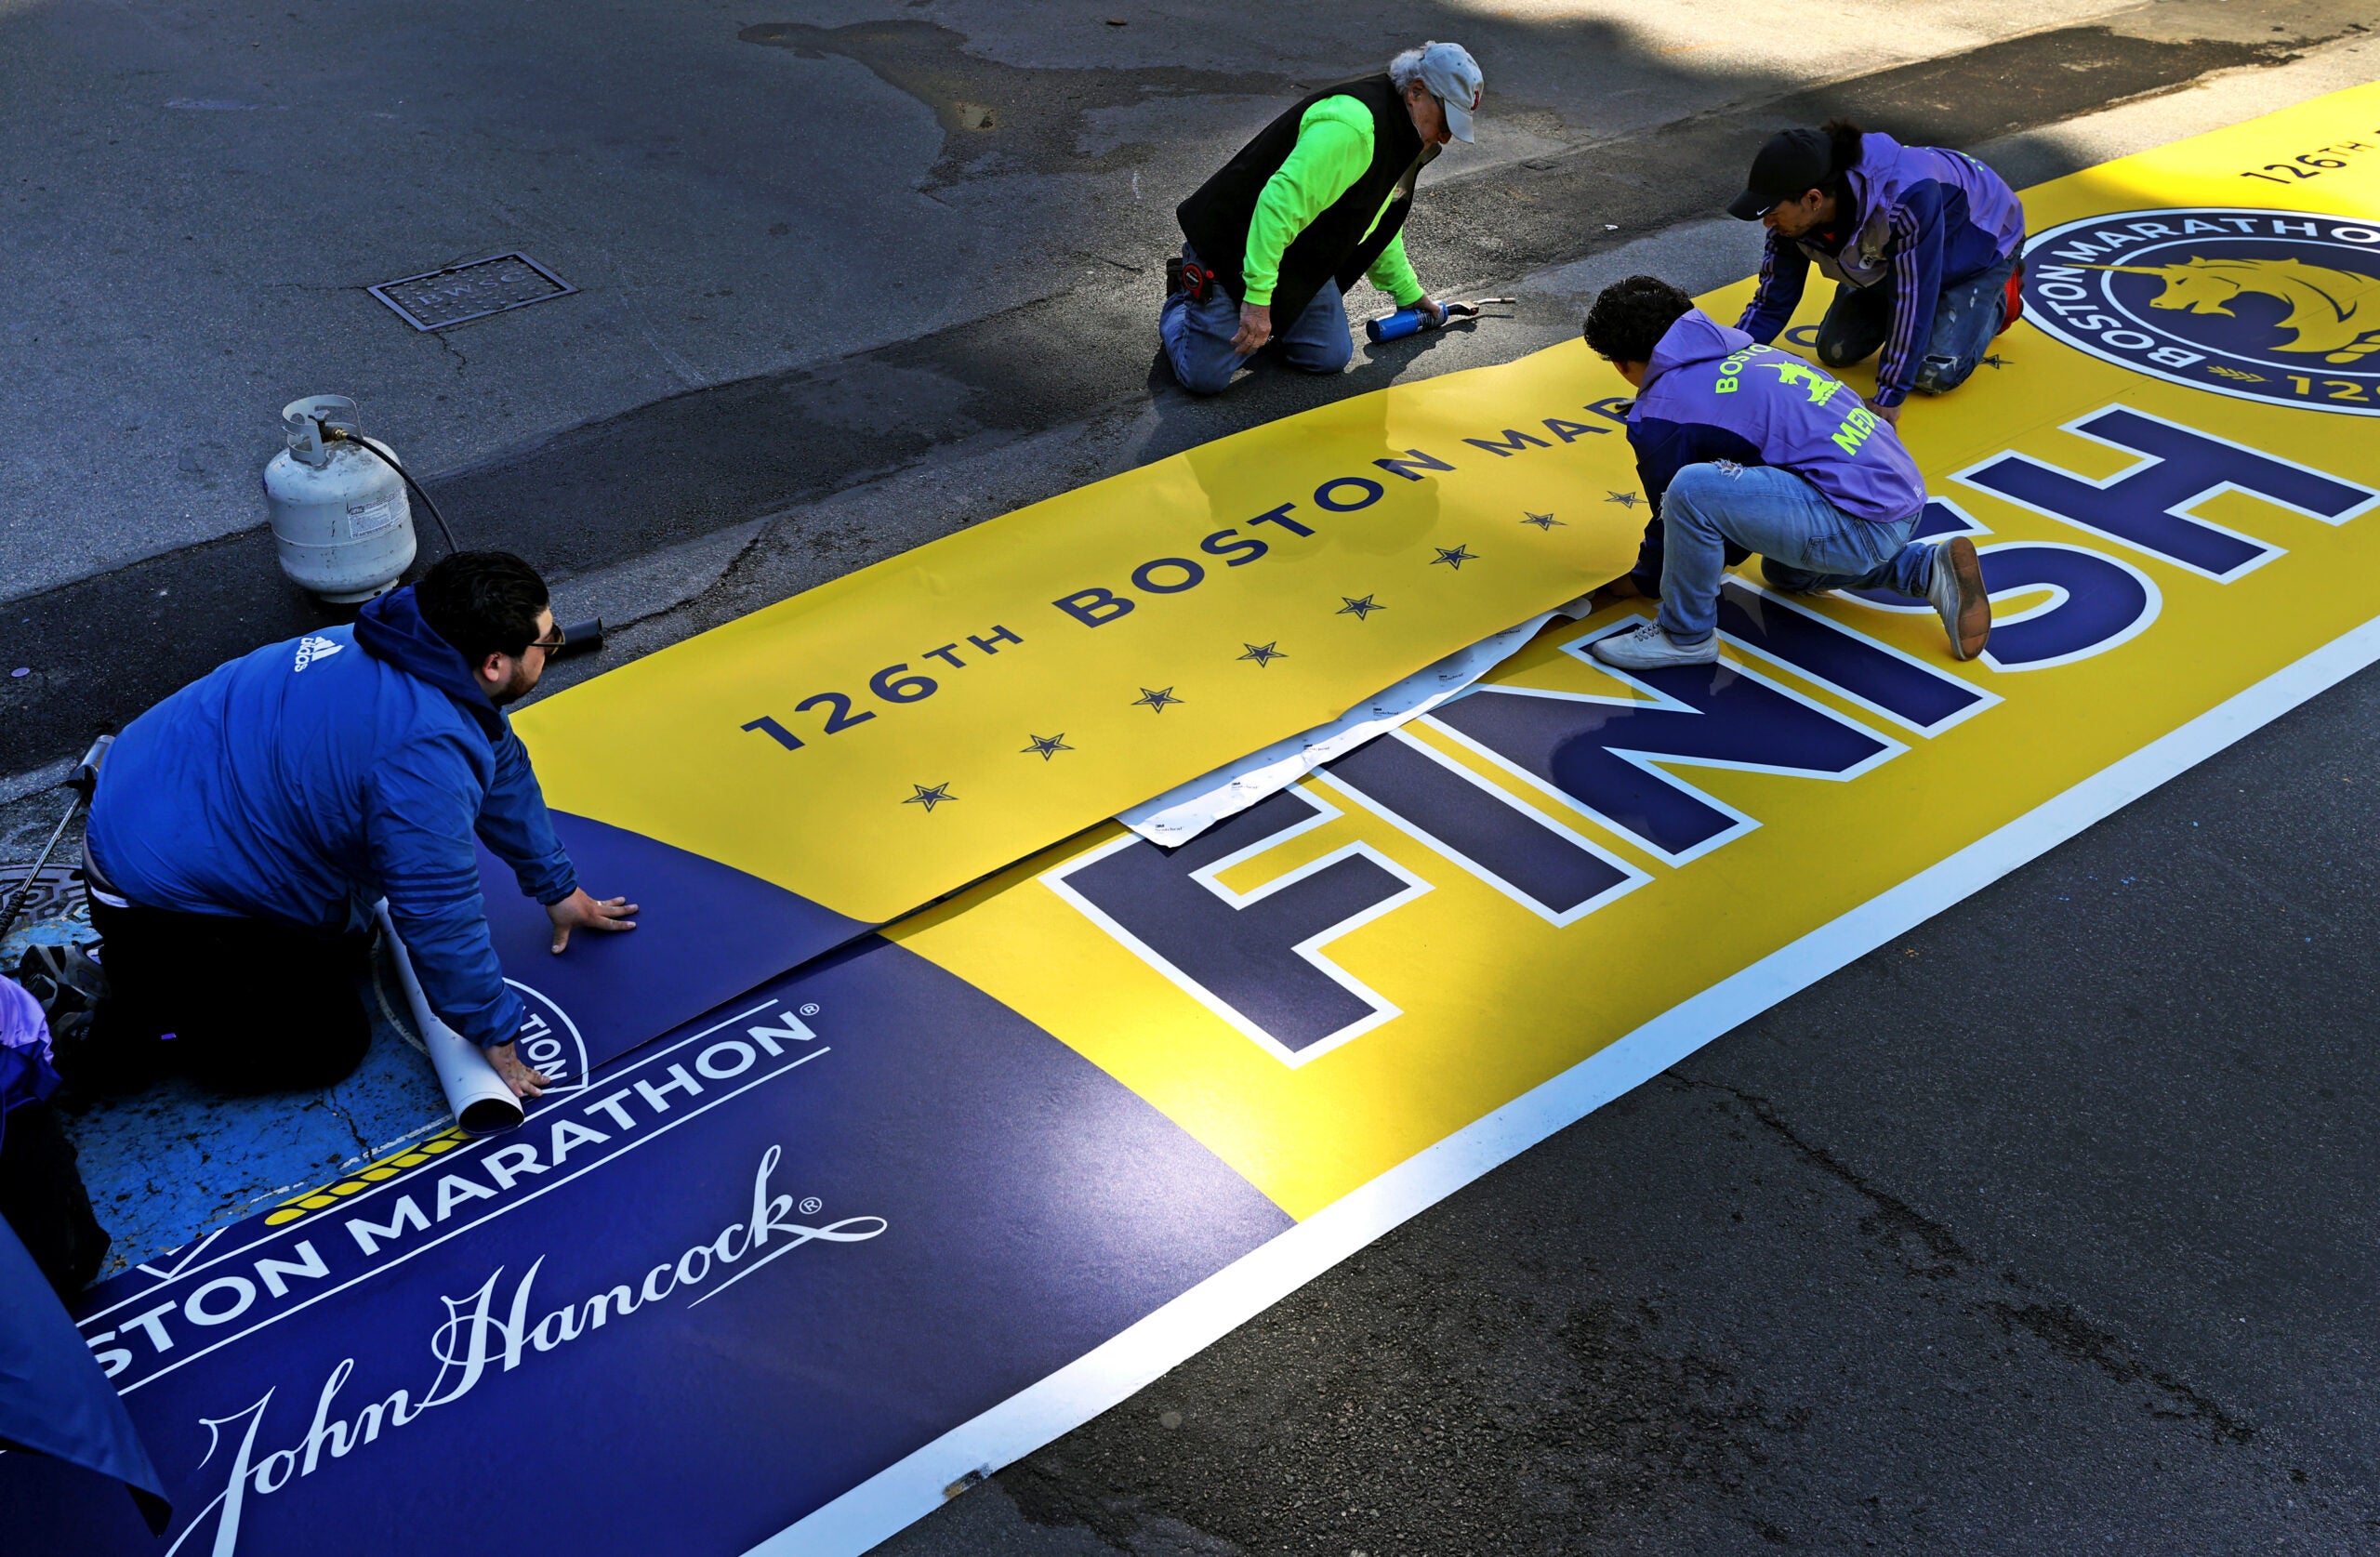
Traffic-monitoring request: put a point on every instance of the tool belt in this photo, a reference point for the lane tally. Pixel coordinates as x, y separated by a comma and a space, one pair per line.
1184, 276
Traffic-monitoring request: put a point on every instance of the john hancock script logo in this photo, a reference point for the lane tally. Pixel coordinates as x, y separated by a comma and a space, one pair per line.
476, 1339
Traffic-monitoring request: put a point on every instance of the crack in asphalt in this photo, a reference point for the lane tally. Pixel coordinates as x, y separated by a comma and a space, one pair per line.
2066, 1332
2058, 1323
341, 1112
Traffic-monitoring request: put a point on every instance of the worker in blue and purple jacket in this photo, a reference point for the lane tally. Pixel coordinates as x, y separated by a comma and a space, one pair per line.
1744, 448
1925, 247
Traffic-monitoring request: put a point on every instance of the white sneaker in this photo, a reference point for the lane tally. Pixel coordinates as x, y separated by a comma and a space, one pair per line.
1958, 594
1647, 647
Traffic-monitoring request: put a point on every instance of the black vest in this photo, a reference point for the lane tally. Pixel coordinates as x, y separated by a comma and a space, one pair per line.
1333, 247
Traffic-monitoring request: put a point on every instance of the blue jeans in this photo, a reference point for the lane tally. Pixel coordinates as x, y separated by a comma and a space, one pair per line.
1966, 318
1806, 543
1198, 335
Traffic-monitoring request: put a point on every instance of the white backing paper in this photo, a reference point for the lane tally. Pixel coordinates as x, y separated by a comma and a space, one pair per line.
482, 1103
1182, 813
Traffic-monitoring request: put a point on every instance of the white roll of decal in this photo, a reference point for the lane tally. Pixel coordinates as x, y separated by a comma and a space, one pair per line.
482, 1103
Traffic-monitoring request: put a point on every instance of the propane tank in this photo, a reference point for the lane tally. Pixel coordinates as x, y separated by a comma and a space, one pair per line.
340, 522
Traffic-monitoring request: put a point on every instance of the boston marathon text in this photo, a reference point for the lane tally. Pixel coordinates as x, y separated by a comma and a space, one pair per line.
234, 1291
904, 681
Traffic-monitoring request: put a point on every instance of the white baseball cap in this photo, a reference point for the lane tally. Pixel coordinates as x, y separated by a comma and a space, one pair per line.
1452, 76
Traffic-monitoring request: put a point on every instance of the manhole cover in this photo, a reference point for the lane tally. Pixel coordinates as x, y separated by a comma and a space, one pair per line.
55, 894
436, 299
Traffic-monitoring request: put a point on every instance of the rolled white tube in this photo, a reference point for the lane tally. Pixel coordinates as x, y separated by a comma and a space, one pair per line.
482, 1103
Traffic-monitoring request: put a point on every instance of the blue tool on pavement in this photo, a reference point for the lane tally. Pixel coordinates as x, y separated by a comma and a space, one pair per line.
1413, 321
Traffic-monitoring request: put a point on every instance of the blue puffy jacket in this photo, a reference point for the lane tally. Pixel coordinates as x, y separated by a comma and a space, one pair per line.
1712, 393
1915, 217
303, 781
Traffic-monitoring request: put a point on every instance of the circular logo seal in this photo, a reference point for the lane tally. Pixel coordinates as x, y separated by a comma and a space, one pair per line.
550, 1042
2264, 305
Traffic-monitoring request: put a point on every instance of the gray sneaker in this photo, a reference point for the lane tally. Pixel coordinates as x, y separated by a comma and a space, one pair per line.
1647, 647
1958, 594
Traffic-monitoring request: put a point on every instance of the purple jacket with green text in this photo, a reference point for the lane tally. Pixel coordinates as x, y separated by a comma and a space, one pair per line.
1713, 393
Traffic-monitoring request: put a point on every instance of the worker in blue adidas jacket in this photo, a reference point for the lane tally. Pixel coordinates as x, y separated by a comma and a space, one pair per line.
1744, 448
1925, 247
243, 828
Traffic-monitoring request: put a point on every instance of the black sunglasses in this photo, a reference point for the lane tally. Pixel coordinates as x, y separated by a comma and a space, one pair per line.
550, 644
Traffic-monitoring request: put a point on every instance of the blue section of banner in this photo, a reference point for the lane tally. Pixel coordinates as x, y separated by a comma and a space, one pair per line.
704, 932
772, 1254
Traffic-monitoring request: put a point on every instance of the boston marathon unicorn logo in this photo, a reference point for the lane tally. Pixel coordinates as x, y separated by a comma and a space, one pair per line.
2256, 304
1819, 387
2335, 313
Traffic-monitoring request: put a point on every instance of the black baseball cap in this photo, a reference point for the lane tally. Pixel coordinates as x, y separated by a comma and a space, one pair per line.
1793, 163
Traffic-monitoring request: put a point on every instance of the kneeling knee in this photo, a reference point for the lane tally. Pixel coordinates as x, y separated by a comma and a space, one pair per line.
1940, 375
1695, 486
1205, 378
1322, 357
1836, 353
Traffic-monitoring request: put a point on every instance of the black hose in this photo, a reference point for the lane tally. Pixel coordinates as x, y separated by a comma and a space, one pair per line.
340, 435
579, 637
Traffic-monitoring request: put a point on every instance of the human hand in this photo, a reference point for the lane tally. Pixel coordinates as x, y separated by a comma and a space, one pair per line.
524, 1082
1255, 327
1883, 413
580, 912
1436, 310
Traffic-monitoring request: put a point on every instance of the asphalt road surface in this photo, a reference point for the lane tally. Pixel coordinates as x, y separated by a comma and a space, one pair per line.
2046, 1229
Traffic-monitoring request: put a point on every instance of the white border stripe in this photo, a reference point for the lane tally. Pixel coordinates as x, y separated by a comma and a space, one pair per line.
913, 1487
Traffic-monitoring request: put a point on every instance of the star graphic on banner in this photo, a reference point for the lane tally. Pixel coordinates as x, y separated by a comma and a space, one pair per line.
930, 798
1544, 521
1045, 747
1264, 653
1360, 609
1994, 362
1455, 557
1155, 700
1625, 499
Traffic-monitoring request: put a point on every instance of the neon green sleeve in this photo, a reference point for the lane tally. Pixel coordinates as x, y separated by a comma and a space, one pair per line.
1392, 273
1334, 146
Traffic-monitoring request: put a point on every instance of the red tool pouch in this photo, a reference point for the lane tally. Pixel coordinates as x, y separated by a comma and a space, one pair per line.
2012, 300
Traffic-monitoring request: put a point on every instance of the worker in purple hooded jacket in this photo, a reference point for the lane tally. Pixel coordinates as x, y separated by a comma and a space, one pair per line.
1925, 247
1742, 448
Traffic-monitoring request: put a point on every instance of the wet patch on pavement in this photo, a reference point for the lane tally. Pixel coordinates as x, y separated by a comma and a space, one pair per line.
1000, 118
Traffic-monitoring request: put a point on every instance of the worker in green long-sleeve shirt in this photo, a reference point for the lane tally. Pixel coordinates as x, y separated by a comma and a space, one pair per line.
1318, 199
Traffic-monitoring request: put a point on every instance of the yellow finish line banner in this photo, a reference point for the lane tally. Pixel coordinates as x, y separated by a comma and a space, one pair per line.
883, 740
2171, 470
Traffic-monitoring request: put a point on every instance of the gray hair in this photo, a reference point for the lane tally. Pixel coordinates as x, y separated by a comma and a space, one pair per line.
1406, 69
